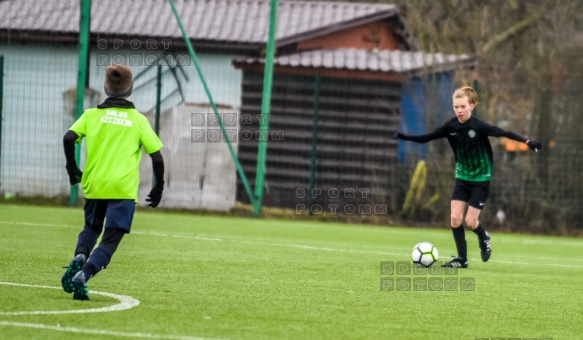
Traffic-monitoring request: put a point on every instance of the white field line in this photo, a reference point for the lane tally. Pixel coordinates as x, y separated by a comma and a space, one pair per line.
125, 302
36, 224
251, 240
311, 247
98, 331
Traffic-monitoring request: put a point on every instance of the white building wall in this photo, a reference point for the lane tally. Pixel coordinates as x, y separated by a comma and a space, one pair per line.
37, 77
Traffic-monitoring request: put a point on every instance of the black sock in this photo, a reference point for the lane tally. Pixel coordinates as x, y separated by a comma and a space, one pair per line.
83, 250
101, 255
481, 232
459, 236
90, 270
86, 241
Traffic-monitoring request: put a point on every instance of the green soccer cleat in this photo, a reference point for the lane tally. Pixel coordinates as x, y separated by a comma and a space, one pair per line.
80, 287
73, 268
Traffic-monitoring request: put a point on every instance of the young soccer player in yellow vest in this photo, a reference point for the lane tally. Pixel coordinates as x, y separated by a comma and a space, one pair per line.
114, 133
468, 138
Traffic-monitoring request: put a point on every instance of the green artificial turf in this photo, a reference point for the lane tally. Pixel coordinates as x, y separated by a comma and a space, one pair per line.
242, 278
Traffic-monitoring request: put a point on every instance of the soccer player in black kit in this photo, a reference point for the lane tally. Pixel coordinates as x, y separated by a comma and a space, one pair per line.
468, 138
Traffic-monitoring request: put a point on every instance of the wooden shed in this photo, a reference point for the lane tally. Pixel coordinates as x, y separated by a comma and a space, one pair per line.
332, 115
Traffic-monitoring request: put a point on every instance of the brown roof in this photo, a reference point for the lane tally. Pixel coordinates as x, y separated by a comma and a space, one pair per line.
369, 60
228, 21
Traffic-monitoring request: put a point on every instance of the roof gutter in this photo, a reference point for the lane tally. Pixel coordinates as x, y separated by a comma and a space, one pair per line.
12, 36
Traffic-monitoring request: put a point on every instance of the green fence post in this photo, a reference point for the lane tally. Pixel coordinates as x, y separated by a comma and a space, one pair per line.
210, 97
314, 155
84, 30
265, 111
158, 99
1, 109
158, 104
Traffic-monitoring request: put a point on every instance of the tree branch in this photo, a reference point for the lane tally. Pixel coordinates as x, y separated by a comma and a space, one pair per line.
500, 38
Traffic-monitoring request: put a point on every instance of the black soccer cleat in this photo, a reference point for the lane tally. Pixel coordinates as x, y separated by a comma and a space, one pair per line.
456, 263
79, 283
485, 248
73, 268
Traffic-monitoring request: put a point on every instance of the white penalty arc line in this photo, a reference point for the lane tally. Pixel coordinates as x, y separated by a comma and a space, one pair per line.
125, 302
98, 331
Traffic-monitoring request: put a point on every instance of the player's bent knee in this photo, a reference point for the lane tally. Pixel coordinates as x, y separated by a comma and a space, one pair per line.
456, 221
472, 223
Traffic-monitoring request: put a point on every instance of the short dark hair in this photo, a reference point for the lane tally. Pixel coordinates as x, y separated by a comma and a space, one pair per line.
118, 81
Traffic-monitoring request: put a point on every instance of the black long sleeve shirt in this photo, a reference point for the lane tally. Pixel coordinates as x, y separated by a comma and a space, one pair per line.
470, 145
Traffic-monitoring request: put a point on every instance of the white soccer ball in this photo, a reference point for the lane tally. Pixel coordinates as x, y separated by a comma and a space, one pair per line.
424, 254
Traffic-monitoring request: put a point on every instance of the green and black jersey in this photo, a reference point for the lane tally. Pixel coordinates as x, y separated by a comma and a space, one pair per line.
470, 145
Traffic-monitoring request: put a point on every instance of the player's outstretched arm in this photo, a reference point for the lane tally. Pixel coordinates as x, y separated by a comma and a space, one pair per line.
494, 131
155, 195
440, 132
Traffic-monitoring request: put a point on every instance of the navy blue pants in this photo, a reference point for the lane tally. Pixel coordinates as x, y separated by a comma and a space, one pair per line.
115, 213
116, 216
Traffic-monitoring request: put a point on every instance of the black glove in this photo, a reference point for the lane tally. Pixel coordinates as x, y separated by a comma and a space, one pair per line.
74, 174
155, 195
399, 135
534, 145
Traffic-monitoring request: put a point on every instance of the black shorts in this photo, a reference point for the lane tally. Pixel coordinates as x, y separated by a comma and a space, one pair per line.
474, 193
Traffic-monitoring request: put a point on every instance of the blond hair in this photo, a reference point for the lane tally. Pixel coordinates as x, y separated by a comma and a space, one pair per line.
469, 92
